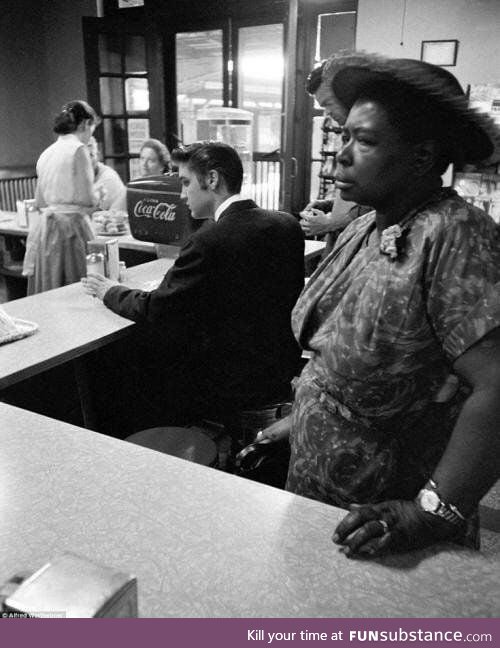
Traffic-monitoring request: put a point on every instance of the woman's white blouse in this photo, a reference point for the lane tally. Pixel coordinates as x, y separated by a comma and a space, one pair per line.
65, 174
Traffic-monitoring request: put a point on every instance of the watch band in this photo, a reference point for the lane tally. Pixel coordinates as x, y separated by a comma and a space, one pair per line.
447, 506
450, 513
444, 510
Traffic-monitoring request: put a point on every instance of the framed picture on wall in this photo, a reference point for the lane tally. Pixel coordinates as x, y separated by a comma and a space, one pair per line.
440, 52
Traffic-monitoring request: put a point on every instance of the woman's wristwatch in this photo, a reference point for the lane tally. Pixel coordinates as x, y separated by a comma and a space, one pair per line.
430, 501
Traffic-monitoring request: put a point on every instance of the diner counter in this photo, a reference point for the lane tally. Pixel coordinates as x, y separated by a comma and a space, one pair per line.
8, 226
203, 543
70, 323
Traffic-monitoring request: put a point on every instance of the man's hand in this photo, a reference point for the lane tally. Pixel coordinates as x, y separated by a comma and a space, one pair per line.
96, 285
397, 525
315, 222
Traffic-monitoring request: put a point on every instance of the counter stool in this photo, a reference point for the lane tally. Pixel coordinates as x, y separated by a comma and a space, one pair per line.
189, 443
240, 428
211, 443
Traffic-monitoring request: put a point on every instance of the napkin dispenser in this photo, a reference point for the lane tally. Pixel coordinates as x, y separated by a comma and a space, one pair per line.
112, 260
71, 587
111, 257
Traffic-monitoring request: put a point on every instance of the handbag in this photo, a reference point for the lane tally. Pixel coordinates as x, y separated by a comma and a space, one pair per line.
264, 461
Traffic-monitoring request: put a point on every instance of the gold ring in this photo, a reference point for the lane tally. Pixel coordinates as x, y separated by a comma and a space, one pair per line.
385, 526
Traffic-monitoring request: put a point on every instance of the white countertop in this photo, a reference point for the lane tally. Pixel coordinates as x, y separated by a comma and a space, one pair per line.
203, 543
70, 322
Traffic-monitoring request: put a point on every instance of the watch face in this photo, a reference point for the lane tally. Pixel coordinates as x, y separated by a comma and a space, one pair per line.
429, 500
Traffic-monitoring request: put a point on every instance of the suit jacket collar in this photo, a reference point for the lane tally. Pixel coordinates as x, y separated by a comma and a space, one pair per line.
241, 205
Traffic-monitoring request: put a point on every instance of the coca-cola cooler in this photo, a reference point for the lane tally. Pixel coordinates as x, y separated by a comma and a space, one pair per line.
156, 211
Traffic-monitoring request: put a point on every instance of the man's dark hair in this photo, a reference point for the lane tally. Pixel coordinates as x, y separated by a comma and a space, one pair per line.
202, 157
315, 78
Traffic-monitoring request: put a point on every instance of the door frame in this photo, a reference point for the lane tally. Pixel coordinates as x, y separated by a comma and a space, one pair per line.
299, 107
161, 21
138, 26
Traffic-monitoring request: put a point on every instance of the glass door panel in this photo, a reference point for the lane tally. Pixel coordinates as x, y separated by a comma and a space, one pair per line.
260, 82
111, 95
245, 71
110, 53
199, 75
136, 95
260, 90
334, 32
135, 55
138, 132
115, 138
123, 91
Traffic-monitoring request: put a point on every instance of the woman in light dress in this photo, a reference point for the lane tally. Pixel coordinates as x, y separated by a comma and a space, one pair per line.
56, 245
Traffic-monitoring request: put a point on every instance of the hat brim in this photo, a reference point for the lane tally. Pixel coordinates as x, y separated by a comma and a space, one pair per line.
477, 134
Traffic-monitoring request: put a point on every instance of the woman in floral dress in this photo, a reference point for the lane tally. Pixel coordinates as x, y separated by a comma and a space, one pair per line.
396, 415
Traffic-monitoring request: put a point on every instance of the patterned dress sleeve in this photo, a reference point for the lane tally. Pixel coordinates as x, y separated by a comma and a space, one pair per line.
462, 278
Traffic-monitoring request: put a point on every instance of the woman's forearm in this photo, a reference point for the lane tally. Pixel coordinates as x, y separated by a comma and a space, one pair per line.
471, 462
279, 430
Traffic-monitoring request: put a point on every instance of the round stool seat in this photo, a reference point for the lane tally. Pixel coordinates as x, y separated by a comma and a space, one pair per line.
186, 443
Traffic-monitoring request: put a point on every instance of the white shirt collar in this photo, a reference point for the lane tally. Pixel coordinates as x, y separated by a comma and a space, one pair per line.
223, 206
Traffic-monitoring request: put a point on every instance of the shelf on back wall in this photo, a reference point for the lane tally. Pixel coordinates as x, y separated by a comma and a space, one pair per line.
329, 146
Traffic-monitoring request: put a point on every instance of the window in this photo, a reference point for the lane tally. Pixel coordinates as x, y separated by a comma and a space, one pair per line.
124, 100
199, 66
260, 82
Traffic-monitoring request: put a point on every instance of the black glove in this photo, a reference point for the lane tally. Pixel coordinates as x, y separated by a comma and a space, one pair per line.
397, 525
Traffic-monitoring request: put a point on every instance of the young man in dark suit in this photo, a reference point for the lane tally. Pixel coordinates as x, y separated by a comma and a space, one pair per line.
218, 326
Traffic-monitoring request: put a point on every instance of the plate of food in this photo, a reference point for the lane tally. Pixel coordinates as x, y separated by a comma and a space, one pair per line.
110, 223
111, 232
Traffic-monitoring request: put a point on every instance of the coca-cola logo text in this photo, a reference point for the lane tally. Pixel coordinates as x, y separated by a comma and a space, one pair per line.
151, 208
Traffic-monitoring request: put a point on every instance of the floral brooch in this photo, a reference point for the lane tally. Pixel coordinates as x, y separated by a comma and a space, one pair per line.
389, 241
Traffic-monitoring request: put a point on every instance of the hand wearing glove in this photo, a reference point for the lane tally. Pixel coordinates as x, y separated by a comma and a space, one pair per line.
396, 525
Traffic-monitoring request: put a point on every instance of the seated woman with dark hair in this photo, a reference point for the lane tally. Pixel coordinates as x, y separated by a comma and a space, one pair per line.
154, 158
396, 415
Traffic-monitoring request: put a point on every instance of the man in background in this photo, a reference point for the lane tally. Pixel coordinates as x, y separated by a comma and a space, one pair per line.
329, 216
216, 332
